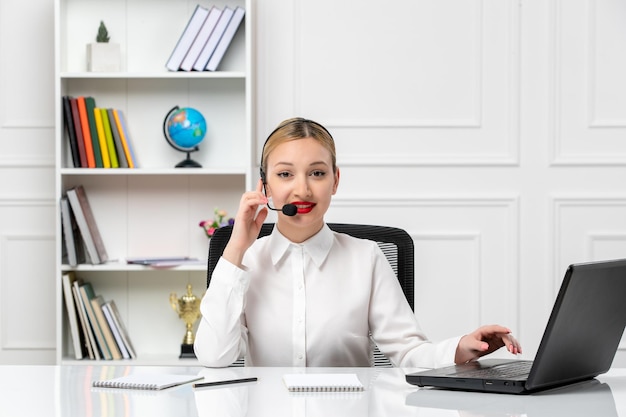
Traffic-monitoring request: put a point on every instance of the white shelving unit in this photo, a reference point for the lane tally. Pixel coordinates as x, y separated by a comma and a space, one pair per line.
155, 209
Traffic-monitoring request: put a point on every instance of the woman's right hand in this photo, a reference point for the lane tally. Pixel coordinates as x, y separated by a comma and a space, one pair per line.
248, 222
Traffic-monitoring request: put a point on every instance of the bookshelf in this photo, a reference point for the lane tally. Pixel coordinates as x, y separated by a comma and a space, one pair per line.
154, 209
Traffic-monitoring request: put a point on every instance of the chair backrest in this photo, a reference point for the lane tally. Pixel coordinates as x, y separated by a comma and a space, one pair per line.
396, 244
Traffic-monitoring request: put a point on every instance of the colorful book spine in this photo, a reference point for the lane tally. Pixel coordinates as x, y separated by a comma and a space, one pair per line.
71, 134
123, 138
96, 303
78, 130
90, 339
84, 124
102, 140
129, 141
109, 138
90, 104
87, 294
121, 157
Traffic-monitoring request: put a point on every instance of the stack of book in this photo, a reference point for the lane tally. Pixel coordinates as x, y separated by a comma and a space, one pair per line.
206, 38
98, 137
81, 236
96, 326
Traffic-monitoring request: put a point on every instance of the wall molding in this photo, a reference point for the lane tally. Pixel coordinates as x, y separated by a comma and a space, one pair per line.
474, 275
560, 202
557, 154
8, 344
508, 156
26, 161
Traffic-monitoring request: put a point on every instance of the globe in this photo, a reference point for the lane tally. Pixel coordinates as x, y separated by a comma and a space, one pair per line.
184, 129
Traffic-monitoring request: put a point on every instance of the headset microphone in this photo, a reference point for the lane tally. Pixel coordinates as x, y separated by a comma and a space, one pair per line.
288, 209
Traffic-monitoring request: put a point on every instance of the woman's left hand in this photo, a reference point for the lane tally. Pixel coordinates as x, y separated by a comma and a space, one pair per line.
485, 340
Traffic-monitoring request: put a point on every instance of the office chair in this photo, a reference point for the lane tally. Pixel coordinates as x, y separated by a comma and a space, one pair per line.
396, 244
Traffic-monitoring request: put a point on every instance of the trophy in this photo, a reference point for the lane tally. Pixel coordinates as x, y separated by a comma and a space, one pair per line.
188, 309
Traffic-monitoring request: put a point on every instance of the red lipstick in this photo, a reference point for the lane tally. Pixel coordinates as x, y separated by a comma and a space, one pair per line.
303, 206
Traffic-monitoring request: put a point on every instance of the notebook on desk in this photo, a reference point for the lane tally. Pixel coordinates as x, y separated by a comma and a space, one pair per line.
579, 342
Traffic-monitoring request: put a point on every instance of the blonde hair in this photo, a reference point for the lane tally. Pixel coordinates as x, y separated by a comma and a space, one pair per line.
294, 129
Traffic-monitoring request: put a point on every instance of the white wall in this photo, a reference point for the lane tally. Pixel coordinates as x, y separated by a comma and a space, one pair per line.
491, 130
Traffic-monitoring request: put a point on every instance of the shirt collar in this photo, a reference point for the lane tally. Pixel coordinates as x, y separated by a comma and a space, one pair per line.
317, 246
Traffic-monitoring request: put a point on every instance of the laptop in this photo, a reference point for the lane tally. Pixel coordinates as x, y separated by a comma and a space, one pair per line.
579, 342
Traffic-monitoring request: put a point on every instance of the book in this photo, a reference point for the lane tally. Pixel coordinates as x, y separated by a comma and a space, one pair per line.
71, 235
146, 381
69, 128
68, 279
87, 224
211, 44
78, 131
164, 261
117, 317
186, 39
123, 139
119, 331
117, 140
106, 124
127, 138
226, 39
90, 105
201, 40
87, 294
96, 303
89, 338
84, 125
102, 140
323, 382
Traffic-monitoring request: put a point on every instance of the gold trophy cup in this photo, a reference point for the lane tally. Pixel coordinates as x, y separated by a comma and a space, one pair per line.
188, 309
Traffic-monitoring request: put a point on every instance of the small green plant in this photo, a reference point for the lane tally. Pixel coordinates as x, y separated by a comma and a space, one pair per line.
103, 34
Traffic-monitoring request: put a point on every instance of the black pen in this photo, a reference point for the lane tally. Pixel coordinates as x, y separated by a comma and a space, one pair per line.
225, 382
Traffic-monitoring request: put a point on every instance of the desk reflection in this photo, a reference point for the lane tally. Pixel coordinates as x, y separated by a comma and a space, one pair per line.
589, 398
77, 398
269, 396
386, 394
222, 400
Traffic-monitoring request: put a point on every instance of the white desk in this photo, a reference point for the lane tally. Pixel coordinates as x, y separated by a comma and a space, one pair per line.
66, 391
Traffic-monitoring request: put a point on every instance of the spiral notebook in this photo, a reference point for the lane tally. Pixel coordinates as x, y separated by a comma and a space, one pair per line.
146, 381
322, 383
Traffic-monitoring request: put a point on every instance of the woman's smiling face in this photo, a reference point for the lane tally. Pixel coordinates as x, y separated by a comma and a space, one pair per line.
300, 172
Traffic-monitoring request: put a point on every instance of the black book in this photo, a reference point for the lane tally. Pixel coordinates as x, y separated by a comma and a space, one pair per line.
71, 134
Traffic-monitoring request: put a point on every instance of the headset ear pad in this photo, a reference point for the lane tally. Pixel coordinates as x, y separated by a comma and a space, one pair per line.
263, 178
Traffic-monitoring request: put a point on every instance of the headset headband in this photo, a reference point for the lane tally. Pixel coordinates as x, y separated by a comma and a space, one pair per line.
280, 126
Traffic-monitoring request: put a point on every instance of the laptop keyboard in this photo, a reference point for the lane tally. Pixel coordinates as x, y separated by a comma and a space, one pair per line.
504, 371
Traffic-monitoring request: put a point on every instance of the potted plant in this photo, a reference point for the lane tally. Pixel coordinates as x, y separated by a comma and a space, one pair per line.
102, 55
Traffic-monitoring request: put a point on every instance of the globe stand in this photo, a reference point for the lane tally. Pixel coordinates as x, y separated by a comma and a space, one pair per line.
188, 162
191, 147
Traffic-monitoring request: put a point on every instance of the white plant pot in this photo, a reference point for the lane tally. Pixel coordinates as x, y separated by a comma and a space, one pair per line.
103, 57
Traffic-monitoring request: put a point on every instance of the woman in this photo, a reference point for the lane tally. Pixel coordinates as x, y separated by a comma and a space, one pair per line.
308, 296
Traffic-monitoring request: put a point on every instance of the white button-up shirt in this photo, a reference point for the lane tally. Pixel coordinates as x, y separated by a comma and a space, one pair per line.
312, 304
